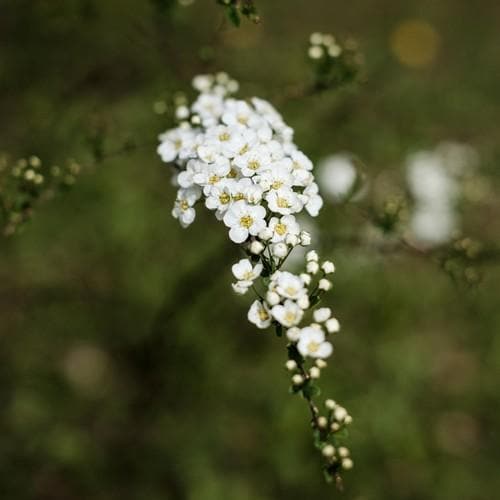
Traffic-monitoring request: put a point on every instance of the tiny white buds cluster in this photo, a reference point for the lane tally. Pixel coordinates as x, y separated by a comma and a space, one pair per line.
323, 45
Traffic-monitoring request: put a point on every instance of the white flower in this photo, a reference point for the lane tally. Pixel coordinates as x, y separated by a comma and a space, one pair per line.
253, 161
305, 238
244, 219
337, 175
283, 201
259, 315
322, 314
256, 247
312, 343
288, 314
175, 143
312, 200
243, 270
183, 207
289, 286
276, 176
282, 227
328, 267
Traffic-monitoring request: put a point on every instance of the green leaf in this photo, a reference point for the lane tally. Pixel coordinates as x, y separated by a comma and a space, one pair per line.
233, 15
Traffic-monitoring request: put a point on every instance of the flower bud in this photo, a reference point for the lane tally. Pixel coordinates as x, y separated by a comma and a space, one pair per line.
312, 256
322, 314
347, 464
297, 379
328, 451
303, 302
343, 452
328, 267
332, 325
305, 238
272, 298
330, 404
256, 247
306, 279
321, 363
315, 372
334, 427
340, 413
293, 334
312, 267
280, 250
324, 284
291, 365
348, 420
322, 422
292, 240
266, 234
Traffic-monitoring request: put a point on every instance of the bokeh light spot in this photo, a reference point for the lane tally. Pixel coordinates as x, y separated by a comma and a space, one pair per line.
415, 43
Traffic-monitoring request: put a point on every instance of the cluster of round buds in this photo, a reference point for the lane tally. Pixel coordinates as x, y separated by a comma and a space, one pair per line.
26, 182
323, 45
238, 157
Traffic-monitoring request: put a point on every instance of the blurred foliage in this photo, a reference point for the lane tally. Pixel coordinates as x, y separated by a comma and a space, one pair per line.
128, 370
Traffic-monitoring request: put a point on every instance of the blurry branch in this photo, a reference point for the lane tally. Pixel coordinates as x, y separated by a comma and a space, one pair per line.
459, 259
27, 183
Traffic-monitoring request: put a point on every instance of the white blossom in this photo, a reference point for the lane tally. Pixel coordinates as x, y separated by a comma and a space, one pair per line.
259, 315
288, 314
312, 343
245, 271
244, 219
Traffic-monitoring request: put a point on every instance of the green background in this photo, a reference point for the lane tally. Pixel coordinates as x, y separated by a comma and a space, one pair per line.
127, 367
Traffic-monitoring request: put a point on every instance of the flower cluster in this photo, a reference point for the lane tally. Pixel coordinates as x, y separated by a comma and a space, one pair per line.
27, 182
435, 180
239, 159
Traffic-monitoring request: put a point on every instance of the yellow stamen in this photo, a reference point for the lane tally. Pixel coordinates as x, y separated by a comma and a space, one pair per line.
246, 221
313, 347
224, 198
280, 228
224, 137
283, 203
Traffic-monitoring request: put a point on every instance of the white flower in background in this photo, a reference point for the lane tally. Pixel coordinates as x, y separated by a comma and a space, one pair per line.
433, 225
312, 343
260, 315
243, 270
244, 219
435, 180
337, 176
288, 314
